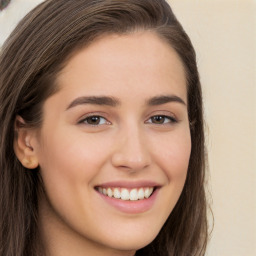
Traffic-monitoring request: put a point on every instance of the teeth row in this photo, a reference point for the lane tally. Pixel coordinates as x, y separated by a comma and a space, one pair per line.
124, 194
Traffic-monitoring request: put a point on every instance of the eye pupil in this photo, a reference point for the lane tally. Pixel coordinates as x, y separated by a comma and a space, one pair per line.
93, 120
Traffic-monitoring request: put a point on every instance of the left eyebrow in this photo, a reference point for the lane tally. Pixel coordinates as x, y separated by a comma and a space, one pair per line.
162, 99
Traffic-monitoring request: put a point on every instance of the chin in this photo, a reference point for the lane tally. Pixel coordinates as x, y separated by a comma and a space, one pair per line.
129, 242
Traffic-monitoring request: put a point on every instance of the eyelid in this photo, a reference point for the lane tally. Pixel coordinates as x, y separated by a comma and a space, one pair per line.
172, 119
94, 114
164, 113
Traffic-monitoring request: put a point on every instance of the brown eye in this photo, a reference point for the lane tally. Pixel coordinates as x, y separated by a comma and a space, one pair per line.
94, 120
158, 119
161, 119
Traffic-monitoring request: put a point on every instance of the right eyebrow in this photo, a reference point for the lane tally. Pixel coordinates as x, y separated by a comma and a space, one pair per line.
94, 100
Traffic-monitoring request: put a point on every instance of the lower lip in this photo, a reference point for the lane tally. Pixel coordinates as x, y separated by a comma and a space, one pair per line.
131, 207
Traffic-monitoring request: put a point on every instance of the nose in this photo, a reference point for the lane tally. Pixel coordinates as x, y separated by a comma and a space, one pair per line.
131, 152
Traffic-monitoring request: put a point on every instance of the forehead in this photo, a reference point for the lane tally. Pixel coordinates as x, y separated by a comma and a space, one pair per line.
120, 62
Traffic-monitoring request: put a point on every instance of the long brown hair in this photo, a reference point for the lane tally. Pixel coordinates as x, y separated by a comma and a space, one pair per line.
30, 61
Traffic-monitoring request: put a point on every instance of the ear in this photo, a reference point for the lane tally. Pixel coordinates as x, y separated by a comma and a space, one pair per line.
23, 144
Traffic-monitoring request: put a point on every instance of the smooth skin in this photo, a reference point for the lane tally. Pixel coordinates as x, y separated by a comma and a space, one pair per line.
130, 133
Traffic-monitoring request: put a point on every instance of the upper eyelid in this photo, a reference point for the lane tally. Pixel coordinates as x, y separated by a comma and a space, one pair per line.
91, 114
172, 118
166, 113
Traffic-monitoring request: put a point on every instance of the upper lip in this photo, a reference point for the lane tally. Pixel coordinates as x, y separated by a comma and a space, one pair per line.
128, 184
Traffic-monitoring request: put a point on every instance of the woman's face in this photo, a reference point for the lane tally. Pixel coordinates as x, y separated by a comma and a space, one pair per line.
118, 127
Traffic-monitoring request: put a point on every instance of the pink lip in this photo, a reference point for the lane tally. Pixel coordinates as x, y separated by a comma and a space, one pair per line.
130, 207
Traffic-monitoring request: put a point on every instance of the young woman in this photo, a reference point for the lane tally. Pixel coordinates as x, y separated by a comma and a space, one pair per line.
102, 142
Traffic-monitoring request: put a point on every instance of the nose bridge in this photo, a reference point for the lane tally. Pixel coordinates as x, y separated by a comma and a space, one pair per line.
132, 152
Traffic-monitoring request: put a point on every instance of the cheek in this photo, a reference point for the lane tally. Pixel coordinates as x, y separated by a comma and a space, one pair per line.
173, 154
69, 165
72, 156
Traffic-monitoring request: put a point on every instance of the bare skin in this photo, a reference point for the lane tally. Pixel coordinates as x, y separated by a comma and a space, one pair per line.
118, 121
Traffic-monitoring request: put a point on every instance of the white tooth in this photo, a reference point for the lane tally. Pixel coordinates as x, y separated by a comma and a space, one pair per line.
100, 189
104, 191
151, 191
109, 192
117, 193
141, 193
125, 195
146, 193
133, 194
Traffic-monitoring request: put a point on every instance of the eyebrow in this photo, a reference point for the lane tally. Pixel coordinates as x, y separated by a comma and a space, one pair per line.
113, 102
95, 100
163, 99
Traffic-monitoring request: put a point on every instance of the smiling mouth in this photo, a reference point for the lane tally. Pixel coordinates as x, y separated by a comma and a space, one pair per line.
126, 194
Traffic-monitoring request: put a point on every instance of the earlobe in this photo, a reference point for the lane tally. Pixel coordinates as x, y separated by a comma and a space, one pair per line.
29, 163
22, 144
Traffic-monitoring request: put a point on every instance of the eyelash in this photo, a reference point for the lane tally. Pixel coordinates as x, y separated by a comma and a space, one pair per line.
171, 119
167, 120
98, 117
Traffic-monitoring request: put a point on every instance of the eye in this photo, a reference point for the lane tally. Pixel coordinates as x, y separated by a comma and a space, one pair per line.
94, 120
162, 119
